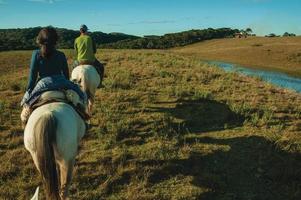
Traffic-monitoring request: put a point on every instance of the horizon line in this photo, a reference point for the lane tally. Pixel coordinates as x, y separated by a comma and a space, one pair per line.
138, 35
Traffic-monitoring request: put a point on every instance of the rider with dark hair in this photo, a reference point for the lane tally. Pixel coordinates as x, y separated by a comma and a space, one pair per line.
48, 72
47, 61
85, 49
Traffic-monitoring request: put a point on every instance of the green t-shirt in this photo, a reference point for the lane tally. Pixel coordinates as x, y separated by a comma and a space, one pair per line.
85, 48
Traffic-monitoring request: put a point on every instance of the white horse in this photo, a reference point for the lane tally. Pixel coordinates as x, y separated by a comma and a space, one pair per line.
88, 78
52, 136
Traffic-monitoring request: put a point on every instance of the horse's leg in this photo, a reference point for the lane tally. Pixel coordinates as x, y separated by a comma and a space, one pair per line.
90, 105
58, 170
66, 170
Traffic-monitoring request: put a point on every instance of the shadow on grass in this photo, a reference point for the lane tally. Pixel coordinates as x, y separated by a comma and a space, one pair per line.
181, 117
202, 115
252, 169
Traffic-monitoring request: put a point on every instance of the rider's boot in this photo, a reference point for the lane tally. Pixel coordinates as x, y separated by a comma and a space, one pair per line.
25, 115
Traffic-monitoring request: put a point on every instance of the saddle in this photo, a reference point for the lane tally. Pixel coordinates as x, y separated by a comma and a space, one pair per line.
65, 96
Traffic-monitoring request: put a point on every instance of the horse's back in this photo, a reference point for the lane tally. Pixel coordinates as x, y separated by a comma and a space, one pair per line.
52, 95
86, 74
70, 128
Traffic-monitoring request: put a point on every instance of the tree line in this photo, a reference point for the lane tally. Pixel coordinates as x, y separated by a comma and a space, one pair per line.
286, 34
24, 38
172, 39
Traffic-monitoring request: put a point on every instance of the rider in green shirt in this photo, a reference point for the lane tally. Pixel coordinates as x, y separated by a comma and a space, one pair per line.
85, 49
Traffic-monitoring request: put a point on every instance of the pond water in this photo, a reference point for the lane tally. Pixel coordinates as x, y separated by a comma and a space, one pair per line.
276, 78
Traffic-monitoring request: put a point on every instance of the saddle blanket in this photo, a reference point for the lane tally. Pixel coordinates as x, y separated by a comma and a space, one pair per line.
51, 83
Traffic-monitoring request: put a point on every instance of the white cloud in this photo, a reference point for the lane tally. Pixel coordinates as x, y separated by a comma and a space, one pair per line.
154, 22
256, 1
45, 1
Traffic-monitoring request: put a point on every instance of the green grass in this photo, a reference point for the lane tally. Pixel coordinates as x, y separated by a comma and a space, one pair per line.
166, 126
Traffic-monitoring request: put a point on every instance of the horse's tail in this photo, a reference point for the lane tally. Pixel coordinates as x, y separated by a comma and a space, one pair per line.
45, 137
84, 82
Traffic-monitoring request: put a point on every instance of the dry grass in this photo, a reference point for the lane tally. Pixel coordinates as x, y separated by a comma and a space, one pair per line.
166, 127
282, 54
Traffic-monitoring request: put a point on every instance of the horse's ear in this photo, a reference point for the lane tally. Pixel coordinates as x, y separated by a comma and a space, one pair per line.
36, 194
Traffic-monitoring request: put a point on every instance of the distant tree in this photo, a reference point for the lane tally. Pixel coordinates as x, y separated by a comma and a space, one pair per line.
271, 35
286, 34
249, 31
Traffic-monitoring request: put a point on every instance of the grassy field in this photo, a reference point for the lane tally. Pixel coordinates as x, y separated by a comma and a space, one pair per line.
166, 126
280, 53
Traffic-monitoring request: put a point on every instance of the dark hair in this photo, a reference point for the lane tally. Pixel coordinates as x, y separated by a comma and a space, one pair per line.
82, 30
47, 39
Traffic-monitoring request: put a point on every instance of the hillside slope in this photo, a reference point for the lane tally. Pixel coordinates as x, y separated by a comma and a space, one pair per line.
166, 127
281, 53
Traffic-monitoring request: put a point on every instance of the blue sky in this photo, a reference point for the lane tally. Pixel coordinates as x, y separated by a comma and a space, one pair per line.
146, 17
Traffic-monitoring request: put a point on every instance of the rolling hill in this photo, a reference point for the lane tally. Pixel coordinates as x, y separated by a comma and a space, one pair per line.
278, 53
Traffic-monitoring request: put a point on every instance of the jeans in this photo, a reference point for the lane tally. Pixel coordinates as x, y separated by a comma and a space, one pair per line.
57, 82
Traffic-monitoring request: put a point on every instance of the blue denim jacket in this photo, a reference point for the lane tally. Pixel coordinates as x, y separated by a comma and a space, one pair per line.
57, 82
41, 67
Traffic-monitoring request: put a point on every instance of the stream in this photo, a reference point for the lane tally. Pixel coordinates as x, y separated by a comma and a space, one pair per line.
277, 78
